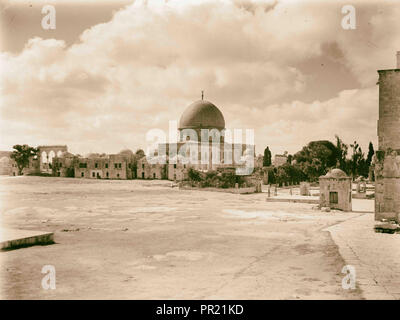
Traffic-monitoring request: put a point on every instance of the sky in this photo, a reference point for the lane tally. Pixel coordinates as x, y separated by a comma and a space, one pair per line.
113, 70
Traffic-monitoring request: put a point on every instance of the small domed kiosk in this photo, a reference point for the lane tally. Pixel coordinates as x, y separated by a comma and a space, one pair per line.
335, 190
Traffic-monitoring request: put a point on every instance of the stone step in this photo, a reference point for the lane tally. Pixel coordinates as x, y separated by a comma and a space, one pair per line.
14, 238
387, 227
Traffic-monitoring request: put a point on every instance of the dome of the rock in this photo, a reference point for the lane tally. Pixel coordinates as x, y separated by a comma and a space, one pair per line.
202, 114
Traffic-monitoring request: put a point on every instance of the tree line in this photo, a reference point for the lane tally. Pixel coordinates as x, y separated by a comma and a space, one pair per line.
317, 158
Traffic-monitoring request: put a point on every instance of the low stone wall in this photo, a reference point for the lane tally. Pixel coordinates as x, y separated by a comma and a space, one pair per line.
247, 190
310, 201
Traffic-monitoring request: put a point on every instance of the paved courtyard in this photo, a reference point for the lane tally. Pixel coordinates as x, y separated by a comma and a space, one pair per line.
375, 256
147, 240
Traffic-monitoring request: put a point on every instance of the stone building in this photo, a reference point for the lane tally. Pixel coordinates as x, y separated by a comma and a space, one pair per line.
178, 171
6, 163
14, 169
387, 157
113, 166
151, 171
211, 155
335, 190
64, 165
46, 155
8, 166
279, 160
41, 163
259, 161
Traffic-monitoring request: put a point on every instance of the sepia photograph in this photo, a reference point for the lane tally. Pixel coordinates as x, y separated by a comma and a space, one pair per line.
200, 150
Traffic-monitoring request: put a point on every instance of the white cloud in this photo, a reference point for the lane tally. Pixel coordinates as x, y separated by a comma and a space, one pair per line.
151, 60
289, 126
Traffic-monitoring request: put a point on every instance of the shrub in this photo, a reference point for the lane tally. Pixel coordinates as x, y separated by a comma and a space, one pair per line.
194, 175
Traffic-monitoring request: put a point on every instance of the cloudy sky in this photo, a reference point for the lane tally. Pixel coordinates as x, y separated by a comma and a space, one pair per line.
111, 71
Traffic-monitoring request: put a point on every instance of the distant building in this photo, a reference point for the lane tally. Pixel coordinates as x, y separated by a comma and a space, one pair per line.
214, 154
146, 170
64, 165
57, 161
279, 160
9, 167
41, 163
113, 166
259, 161
6, 163
46, 155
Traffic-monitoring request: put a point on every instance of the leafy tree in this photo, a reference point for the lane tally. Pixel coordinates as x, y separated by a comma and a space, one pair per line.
316, 158
22, 155
267, 157
293, 174
281, 175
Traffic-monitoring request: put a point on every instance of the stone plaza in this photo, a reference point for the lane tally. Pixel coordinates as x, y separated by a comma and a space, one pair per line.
139, 239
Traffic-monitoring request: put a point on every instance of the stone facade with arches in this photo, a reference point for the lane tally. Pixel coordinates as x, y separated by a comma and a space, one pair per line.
41, 163
47, 154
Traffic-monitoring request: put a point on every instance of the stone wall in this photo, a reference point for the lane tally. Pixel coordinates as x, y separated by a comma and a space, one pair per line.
146, 170
110, 167
387, 158
387, 185
177, 172
389, 109
62, 166
5, 163
46, 154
